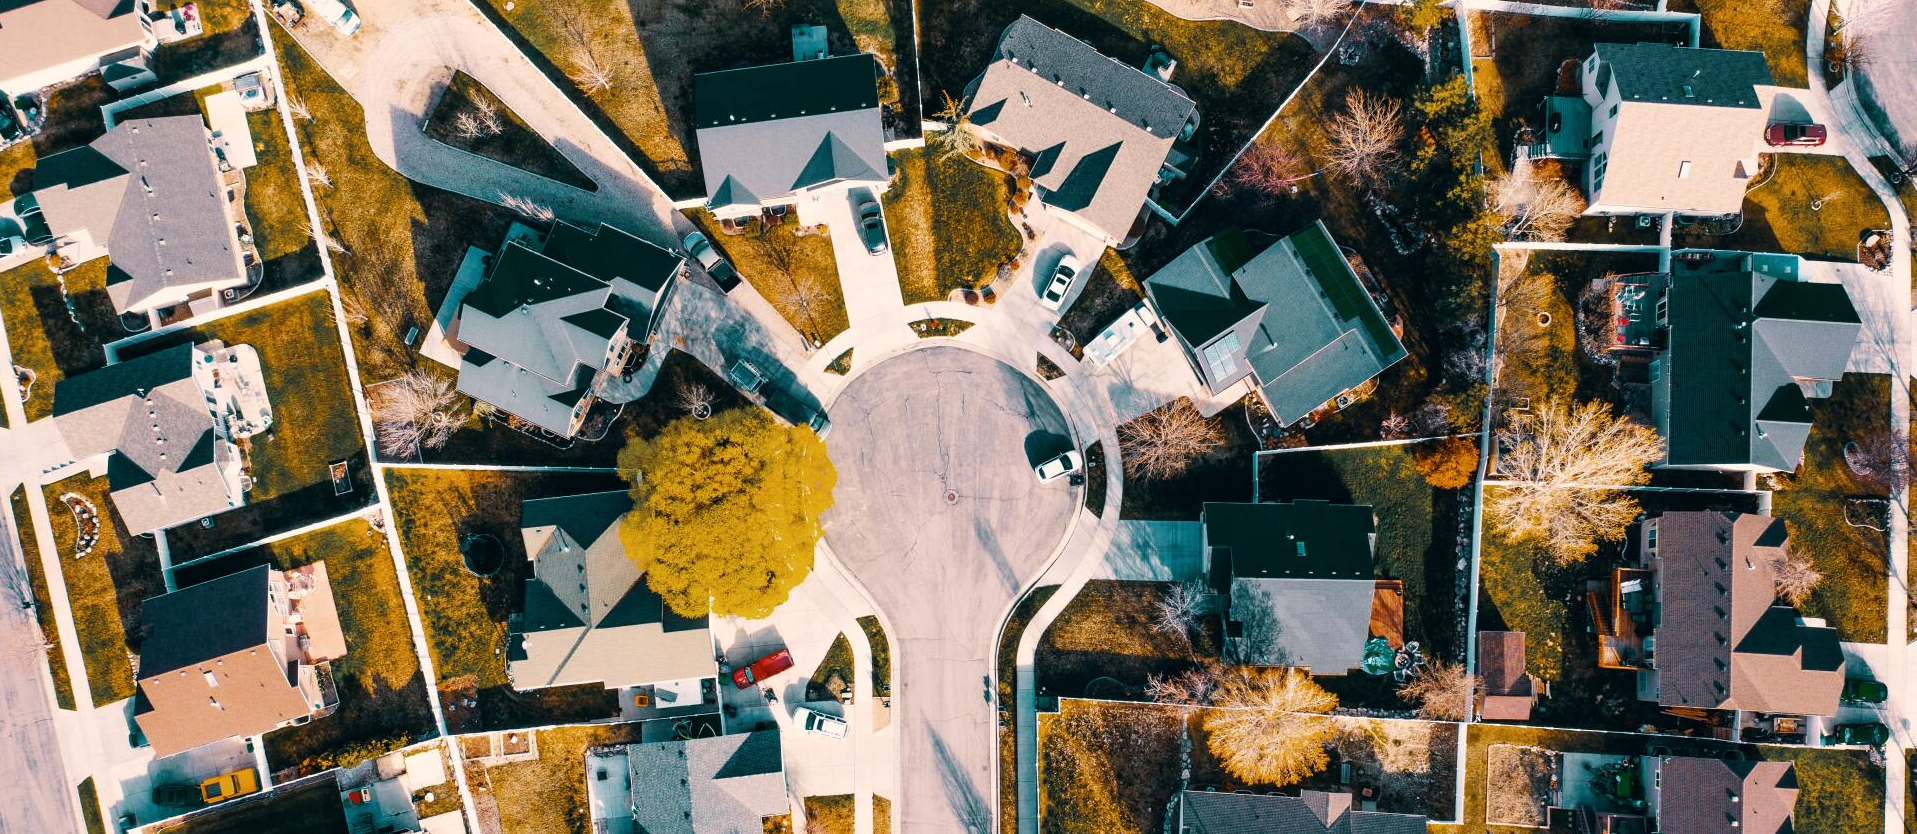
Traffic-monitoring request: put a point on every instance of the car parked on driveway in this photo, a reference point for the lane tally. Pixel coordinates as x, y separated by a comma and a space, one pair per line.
745, 677
229, 785
1869, 733
1806, 135
1060, 284
699, 248
176, 796
1059, 467
871, 220
814, 721
1864, 691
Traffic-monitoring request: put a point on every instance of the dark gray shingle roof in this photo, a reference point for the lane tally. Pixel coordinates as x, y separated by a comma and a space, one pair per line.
1656, 72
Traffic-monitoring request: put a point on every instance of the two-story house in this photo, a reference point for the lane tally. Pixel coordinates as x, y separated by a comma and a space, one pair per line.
1296, 579
772, 135
547, 327
236, 656
45, 42
1699, 620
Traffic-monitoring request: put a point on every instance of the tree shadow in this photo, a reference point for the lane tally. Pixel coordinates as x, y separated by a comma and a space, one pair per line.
369, 711
961, 791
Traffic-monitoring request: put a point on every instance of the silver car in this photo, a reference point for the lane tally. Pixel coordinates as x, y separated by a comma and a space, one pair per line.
871, 220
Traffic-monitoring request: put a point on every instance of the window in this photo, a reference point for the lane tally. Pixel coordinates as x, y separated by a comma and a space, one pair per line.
1657, 372
1221, 357
1614, 108
1597, 172
1650, 531
1683, 169
1591, 62
1595, 140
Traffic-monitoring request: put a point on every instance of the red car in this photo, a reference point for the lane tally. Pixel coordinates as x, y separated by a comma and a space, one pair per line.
745, 676
1795, 134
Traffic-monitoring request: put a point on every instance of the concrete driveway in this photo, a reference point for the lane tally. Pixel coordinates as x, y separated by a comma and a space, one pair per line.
939, 516
870, 282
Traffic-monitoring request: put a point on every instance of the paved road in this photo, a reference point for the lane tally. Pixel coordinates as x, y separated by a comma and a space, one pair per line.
940, 518
1890, 79
39, 798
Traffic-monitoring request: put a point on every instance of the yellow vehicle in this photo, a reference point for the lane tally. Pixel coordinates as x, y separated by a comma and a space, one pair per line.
229, 785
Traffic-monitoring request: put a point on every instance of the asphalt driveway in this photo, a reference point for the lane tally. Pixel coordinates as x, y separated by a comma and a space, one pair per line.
938, 514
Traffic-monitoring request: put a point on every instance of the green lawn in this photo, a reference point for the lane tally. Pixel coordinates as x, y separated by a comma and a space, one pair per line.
16, 169
1776, 28
465, 616
229, 38
1841, 792
1779, 214
381, 688
516, 143
42, 599
44, 337
90, 807
1852, 559
403, 241
105, 588
1237, 75
1508, 572
948, 224
796, 273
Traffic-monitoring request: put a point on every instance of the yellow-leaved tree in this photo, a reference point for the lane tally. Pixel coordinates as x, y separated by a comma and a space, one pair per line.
1267, 725
726, 511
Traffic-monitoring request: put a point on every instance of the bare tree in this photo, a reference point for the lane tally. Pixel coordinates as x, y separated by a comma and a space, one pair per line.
1395, 427
958, 138
527, 207
1796, 578
1176, 611
764, 8
1266, 169
486, 114
1191, 688
1536, 207
466, 125
297, 106
1167, 440
416, 411
1562, 469
575, 25
696, 399
1441, 692
316, 174
1366, 138
1267, 725
1316, 12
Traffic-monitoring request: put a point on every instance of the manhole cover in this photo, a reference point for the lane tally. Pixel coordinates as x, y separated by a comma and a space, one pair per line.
951, 496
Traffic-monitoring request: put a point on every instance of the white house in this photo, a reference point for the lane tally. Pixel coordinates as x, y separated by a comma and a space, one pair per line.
45, 42
770, 135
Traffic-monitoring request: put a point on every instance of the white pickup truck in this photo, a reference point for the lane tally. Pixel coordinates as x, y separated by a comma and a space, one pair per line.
1113, 340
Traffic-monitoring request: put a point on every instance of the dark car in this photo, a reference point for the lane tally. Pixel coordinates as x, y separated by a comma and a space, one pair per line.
1808, 135
745, 676
177, 796
1864, 691
1869, 733
871, 221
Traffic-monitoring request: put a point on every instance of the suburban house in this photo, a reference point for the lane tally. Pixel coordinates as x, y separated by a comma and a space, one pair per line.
237, 656
1716, 796
167, 423
547, 328
713, 785
589, 616
773, 134
1506, 691
1310, 812
45, 42
1100, 134
1288, 314
150, 196
1742, 346
1661, 128
1697, 617
1296, 581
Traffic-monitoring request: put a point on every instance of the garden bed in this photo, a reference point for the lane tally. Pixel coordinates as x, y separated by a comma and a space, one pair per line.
464, 616
881, 654
948, 224
1110, 291
833, 676
469, 117
106, 588
939, 328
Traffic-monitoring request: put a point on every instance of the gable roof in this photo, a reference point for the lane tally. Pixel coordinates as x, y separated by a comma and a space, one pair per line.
1508, 690
150, 191
1663, 73
1738, 342
765, 132
1311, 812
1714, 796
1304, 325
148, 414
589, 616
1101, 130
1723, 642
719, 785
1298, 579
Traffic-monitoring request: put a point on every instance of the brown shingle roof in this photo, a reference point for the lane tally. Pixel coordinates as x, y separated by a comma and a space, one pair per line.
1713, 796
1508, 691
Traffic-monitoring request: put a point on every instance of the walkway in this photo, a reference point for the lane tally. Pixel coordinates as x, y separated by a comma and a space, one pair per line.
1859, 138
407, 51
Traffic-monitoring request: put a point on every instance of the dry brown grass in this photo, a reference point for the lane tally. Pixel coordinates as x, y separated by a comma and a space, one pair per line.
1519, 784
547, 795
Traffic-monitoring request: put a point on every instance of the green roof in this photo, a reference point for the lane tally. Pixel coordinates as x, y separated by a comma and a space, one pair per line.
610, 254
524, 278
1333, 273
1299, 540
782, 91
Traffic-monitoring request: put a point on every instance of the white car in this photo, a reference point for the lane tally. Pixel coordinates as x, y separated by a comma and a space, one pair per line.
1059, 467
1060, 284
699, 248
814, 721
337, 14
